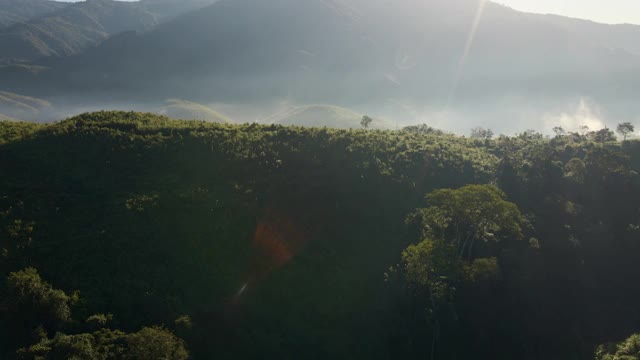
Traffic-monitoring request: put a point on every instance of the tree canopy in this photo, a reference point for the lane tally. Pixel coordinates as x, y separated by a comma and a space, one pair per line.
125, 235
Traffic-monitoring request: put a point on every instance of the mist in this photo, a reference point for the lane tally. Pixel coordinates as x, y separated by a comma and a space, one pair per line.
507, 115
453, 65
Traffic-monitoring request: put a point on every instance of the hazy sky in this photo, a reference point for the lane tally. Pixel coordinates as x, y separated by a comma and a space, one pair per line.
607, 11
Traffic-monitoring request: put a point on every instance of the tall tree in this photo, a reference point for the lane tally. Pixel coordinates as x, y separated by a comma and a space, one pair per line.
481, 133
469, 214
366, 121
625, 129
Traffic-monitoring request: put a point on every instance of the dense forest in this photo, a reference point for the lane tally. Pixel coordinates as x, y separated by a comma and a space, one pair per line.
133, 236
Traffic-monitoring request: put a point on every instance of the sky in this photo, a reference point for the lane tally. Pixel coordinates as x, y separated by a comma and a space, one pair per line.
606, 11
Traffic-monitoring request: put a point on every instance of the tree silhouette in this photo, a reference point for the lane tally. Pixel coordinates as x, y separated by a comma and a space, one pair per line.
625, 129
482, 133
366, 121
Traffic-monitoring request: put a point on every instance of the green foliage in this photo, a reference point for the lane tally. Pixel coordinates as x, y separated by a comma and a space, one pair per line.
76, 347
481, 133
184, 322
602, 136
17, 238
576, 170
559, 131
484, 270
423, 129
141, 202
474, 212
270, 242
430, 263
628, 349
625, 129
28, 293
155, 343
152, 343
99, 321
15, 130
30, 299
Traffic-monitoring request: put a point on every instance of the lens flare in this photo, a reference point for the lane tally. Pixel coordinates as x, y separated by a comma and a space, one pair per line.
276, 241
242, 289
467, 49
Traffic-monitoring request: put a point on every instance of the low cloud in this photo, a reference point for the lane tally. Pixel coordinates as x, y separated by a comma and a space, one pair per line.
583, 113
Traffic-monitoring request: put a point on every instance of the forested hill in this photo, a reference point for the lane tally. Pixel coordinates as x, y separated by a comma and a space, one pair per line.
134, 236
17, 11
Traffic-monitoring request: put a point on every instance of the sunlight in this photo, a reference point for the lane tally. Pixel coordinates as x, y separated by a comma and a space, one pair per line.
465, 54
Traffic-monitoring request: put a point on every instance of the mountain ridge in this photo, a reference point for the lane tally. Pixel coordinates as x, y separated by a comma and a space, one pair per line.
72, 29
353, 53
17, 11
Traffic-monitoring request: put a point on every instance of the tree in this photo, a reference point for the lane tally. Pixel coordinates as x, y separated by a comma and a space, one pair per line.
530, 135
436, 268
81, 346
468, 214
628, 349
602, 162
18, 237
35, 299
422, 129
430, 263
481, 133
29, 306
366, 121
575, 170
150, 343
602, 135
625, 129
156, 343
432, 269
584, 129
559, 131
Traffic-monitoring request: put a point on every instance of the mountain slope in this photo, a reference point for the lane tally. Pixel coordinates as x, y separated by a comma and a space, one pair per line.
290, 243
187, 110
167, 9
72, 29
16, 11
22, 107
324, 115
349, 53
622, 36
312, 40
4, 117
275, 44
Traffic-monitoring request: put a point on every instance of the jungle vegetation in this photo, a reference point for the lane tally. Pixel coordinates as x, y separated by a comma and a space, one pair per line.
134, 236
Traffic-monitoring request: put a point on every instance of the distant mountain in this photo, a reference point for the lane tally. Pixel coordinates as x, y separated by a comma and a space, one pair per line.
187, 110
4, 117
17, 11
324, 115
72, 29
167, 9
22, 107
232, 49
352, 52
623, 36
